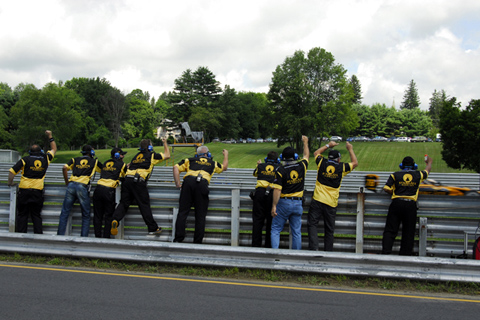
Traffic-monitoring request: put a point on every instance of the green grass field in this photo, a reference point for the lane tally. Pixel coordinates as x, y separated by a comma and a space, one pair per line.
372, 156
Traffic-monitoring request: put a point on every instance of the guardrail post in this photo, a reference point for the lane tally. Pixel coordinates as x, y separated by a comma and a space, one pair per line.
13, 208
422, 237
174, 221
235, 219
360, 221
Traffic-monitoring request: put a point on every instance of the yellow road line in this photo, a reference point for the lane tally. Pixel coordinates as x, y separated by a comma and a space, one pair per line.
241, 284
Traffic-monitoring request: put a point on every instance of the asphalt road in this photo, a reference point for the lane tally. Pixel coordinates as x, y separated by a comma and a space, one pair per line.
37, 292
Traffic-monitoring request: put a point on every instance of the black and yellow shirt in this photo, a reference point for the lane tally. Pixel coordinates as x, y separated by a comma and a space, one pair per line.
199, 165
405, 183
290, 179
83, 168
265, 173
143, 162
112, 171
329, 179
33, 167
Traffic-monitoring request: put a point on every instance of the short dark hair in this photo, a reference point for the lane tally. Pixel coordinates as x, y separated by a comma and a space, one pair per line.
145, 143
272, 155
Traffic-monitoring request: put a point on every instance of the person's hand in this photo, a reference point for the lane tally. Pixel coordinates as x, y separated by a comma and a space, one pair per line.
225, 152
12, 184
259, 161
349, 146
48, 133
333, 144
304, 139
274, 211
164, 140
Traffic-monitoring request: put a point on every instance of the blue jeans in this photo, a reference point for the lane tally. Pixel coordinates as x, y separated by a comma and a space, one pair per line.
291, 210
75, 191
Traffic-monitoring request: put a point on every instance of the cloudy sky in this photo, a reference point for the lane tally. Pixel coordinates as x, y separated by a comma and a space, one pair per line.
148, 44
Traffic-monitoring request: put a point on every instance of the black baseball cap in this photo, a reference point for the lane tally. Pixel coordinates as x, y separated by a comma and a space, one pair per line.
334, 154
117, 150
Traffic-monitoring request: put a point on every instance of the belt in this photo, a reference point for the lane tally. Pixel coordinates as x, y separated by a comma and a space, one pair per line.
404, 199
292, 198
131, 176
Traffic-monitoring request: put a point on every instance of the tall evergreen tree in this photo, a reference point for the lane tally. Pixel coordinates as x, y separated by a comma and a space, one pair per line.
193, 89
436, 104
410, 98
357, 89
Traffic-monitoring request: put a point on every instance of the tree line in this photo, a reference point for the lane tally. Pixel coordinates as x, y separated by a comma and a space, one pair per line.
309, 94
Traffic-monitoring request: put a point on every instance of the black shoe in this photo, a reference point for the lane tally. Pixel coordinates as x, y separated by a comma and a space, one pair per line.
156, 232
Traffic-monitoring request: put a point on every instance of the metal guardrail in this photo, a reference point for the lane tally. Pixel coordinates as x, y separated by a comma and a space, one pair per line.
359, 223
244, 179
415, 268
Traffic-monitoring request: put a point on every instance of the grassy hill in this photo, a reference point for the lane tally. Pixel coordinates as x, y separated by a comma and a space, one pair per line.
372, 156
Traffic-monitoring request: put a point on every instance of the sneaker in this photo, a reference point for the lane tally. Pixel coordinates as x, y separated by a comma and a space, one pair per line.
156, 232
114, 229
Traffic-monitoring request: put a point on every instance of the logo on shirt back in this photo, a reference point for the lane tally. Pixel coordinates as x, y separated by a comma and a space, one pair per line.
294, 177
203, 161
139, 158
330, 173
109, 166
83, 164
37, 166
407, 181
269, 170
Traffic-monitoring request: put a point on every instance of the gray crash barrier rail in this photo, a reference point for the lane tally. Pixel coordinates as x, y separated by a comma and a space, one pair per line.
315, 262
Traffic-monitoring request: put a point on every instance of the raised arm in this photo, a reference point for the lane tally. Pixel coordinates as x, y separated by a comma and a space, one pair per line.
225, 160
306, 151
53, 145
429, 162
353, 157
166, 152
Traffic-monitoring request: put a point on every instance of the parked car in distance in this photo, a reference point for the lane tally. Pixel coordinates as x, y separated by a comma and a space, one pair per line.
379, 138
229, 141
392, 139
216, 140
402, 139
419, 139
430, 186
362, 139
259, 140
336, 138
250, 140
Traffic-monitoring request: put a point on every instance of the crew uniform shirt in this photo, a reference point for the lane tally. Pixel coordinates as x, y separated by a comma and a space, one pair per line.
199, 165
290, 179
34, 168
83, 168
143, 162
405, 184
265, 173
329, 179
111, 172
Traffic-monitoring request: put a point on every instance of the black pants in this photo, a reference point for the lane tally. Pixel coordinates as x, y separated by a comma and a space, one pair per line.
315, 212
103, 208
405, 213
29, 203
136, 191
194, 194
262, 215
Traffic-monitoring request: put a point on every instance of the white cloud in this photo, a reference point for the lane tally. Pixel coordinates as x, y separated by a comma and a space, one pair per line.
148, 44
